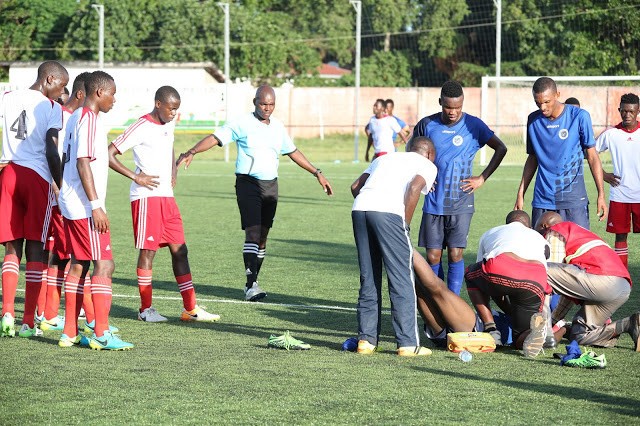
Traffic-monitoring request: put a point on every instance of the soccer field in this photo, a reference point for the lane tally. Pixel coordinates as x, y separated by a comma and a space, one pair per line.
223, 373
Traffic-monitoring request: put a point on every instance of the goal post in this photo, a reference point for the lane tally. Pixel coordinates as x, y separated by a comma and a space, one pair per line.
506, 102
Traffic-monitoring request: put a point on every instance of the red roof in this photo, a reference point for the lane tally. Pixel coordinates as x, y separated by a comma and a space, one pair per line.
332, 70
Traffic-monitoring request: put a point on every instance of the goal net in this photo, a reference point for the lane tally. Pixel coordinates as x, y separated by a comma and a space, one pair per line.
507, 102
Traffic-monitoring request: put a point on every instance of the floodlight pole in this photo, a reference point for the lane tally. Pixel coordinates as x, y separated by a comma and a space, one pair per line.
225, 9
357, 5
100, 9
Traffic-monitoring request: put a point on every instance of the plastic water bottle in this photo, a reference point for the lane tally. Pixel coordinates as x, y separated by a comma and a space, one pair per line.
465, 356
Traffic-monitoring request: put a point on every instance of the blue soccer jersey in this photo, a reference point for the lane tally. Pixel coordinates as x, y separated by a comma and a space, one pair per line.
456, 146
402, 125
558, 145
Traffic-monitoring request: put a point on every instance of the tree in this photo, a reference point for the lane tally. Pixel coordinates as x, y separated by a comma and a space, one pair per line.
30, 30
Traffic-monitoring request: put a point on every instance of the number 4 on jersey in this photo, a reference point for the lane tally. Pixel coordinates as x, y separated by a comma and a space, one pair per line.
21, 121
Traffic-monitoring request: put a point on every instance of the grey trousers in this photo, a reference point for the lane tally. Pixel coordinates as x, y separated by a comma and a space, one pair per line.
384, 238
602, 296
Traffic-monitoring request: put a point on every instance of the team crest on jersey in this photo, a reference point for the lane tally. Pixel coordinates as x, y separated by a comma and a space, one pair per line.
457, 140
563, 134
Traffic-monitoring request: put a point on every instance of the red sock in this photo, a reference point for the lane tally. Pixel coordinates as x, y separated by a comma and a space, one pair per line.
101, 294
622, 250
55, 279
188, 293
87, 300
73, 290
32, 290
42, 296
144, 287
10, 273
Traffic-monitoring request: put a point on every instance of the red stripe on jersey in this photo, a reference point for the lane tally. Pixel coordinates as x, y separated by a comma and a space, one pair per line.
128, 132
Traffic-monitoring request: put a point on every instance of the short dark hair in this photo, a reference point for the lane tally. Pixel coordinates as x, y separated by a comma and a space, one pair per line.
451, 89
48, 68
543, 84
164, 93
389, 102
572, 101
519, 216
381, 101
630, 98
79, 82
97, 80
420, 144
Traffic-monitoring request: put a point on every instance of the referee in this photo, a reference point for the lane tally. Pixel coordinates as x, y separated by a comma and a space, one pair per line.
261, 139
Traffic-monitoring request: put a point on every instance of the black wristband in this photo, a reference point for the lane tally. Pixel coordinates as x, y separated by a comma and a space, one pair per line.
316, 172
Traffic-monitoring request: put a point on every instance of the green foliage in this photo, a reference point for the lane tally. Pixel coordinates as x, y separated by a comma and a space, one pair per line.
30, 29
383, 69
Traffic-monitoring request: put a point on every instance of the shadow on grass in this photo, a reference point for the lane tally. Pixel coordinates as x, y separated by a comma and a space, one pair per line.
618, 404
316, 251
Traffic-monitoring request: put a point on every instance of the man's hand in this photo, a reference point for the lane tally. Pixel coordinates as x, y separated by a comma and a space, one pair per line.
325, 184
147, 181
100, 221
186, 158
470, 184
602, 209
519, 202
611, 179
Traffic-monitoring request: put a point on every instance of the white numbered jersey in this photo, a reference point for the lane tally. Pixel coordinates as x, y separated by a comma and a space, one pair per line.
27, 115
152, 144
624, 147
85, 137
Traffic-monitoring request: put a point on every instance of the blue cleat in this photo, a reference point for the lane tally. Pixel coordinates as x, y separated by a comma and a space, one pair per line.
89, 327
109, 342
80, 340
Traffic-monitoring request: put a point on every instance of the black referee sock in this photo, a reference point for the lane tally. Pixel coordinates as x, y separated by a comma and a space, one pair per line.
261, 253
250, 256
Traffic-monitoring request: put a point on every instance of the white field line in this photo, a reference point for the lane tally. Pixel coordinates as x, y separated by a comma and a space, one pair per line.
242, 302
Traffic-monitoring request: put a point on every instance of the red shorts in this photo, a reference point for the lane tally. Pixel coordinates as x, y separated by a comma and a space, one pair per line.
505, 270
25, 204
85, 243
621, 215
156, 223
57, 240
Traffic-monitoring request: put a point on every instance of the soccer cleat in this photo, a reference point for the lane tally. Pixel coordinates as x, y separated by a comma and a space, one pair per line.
54, 324
634, 330
150, 314
535, 340
89, 327
109, 342
26, 331
366, 348
288, 342
588, 360
82, 314
413, 351
8, 326
198, 314
254, 293
38, 319
80, 340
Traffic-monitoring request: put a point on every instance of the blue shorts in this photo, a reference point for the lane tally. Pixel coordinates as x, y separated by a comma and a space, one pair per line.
577, 215
440, 232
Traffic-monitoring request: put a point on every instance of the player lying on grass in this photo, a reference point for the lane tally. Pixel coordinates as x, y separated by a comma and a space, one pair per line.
156, 219
584, 268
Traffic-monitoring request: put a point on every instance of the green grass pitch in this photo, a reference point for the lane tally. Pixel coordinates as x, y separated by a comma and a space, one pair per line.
223, 373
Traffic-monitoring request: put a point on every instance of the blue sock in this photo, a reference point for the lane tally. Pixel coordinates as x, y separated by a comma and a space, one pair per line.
555, 298
455, 275
438, 270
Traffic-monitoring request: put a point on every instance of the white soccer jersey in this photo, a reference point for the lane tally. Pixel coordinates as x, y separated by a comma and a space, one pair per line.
27, 116
85, 138
382, 131
388, 178
152, 144
513, 238
625, 156
66, 114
